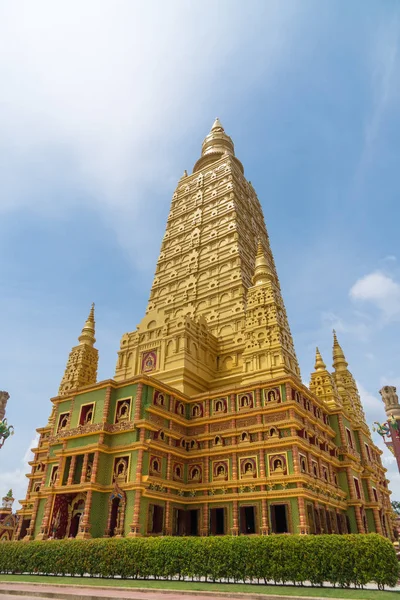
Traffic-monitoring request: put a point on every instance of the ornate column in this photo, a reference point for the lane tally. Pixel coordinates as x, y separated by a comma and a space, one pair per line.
138, 401
264, 517
235, 518
84, 468
44, 527
84, 526
360, 524
296, 459
29, 531
135, 525
59, 471
71, 470
168, 514
95, 467
377, 521
107, 400
303, 527
204, 530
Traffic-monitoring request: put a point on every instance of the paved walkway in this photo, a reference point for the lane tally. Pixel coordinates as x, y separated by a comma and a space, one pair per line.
37, 591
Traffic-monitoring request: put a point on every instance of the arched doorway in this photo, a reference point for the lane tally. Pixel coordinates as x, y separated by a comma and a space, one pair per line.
74, 527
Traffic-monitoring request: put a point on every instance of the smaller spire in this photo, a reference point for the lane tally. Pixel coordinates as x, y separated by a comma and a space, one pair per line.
339, 360
87, 336
262, 272
319, 363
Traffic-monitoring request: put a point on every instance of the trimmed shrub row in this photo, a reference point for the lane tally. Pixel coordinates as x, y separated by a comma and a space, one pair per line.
338, 559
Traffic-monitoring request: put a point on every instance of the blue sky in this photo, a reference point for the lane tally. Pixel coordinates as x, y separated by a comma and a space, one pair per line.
104, 104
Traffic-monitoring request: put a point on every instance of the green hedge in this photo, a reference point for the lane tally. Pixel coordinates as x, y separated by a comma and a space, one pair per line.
338, 559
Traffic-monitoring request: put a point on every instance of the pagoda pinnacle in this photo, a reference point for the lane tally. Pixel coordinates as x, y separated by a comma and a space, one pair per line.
262, 272
339, 360
216, 144
87, 336
319, 363
82, 362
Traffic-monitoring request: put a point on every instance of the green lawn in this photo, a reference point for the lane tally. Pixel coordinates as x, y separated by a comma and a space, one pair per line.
199, 586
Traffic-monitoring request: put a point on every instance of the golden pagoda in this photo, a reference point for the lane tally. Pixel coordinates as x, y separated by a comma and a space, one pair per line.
207, 428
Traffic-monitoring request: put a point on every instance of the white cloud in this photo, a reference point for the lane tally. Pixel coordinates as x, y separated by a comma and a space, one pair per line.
380, 290
16, 479
110, 89
356, 327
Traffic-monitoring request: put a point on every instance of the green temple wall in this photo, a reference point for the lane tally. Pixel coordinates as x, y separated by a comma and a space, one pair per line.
130, 503
97, 397
82, 442
39, 517
352, 518
99, 513
370, 520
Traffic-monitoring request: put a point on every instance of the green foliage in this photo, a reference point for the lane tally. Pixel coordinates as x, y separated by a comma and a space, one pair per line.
337, 559
396, 506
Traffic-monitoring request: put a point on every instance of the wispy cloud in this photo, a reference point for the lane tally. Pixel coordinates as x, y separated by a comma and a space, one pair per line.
384, 69
101, 94
379, 290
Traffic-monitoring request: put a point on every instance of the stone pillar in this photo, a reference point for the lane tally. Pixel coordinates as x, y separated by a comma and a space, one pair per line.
377, 521
207, 407
95, 467
303, 527
44, 527
235, 518
360, 525
296, 459
84, 526
29, 531
262, 463
84, 468
168, 515
138, 404
71, 470
59, 471
135, 525
204, 530
264, 517
107, 400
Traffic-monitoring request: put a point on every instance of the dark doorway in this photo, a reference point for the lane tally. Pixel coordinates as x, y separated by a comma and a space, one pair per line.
310, 518
247, 519
217, 521
193, 522
24, 528
114, 515
73, 530
156, 518
279, 519
179, 521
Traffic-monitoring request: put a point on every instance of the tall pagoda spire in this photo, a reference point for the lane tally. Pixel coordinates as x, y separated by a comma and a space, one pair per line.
346, 384
214, 255
82, 362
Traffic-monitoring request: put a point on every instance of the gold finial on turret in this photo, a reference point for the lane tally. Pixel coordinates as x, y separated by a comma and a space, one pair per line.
339, 360
319, 363
88, 331
262, 272
217, 125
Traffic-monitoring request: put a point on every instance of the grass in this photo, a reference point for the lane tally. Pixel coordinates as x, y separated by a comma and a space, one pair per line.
197, 586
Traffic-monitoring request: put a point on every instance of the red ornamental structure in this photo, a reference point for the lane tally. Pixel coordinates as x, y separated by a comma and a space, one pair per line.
390, 431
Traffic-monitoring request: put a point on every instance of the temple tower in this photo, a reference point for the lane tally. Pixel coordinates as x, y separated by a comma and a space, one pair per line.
82, 362
208, 322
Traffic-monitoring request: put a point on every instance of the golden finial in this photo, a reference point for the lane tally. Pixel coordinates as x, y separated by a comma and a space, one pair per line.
87, 335
217, 125
339, 360
319, 363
